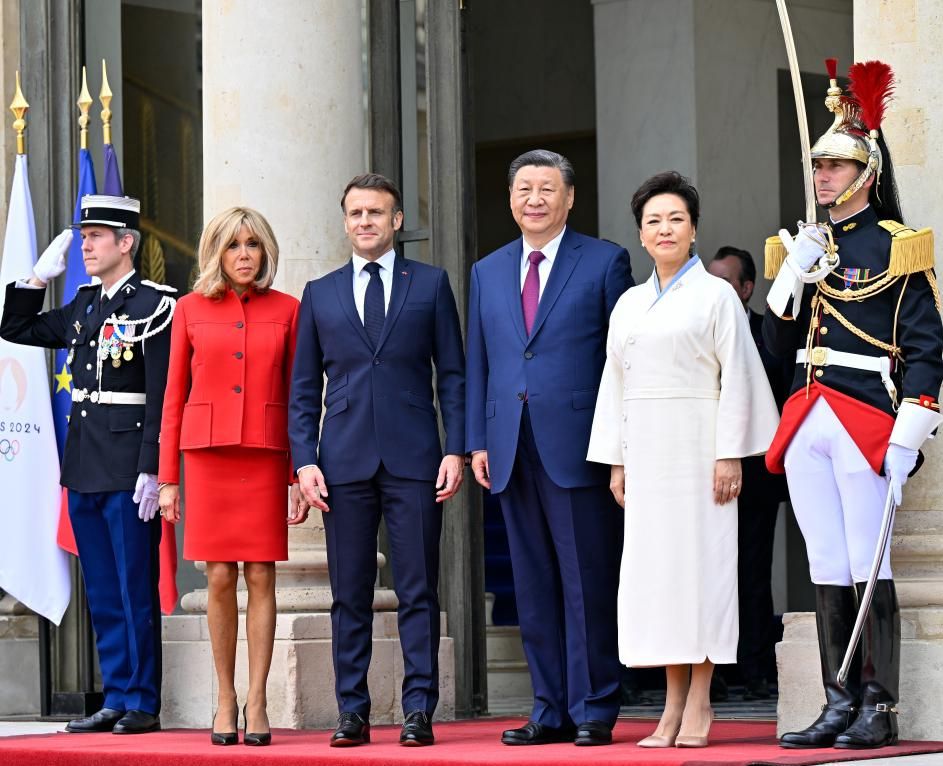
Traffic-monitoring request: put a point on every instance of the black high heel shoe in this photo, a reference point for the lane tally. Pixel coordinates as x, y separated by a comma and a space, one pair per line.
256, 740
226, 737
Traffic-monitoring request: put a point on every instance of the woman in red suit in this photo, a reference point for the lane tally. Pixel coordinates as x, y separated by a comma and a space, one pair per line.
225, 407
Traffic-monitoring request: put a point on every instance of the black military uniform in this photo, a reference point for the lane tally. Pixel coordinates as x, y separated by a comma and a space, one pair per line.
118, 355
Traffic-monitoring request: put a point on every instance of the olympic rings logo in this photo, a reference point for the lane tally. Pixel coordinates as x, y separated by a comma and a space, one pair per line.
9, 449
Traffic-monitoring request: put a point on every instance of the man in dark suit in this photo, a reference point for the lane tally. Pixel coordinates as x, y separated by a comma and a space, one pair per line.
537, 322
375, 327
118, 336
759, 501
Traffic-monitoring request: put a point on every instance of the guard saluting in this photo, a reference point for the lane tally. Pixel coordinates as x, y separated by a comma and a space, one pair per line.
118, 336
856, 301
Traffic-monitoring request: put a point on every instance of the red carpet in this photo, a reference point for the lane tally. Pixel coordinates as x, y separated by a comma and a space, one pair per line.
465, 742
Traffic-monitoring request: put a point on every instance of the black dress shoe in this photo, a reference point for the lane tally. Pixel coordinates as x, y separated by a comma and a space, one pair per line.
104, 720
351, 730
533, 733
593, 733
875, 726
417, 730
137, 722
226, 737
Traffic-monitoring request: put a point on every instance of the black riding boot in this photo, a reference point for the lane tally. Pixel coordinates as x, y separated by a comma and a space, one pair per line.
876, 724
835, 610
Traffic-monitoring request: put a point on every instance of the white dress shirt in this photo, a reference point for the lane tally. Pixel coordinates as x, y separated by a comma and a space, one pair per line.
113, 290
362, 279
543, 268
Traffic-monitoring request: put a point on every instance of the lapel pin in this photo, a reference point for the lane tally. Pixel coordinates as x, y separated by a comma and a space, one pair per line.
88, 309
78, 326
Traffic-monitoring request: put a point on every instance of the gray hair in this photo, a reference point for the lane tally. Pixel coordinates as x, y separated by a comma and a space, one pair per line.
134, 234
543, 158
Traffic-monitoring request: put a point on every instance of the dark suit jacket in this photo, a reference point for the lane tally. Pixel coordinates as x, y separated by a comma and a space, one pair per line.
378, 403
107, 444
558, 367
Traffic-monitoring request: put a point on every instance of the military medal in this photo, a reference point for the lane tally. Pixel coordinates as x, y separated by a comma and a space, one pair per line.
115, 362
128, 354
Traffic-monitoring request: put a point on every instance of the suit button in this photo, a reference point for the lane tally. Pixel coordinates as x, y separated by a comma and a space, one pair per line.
239, 325
819, 373
824, 331
88, 367
520, 395
238, 355
74, 341
91, 343
376, 362
528, 354
237, 389
84, 413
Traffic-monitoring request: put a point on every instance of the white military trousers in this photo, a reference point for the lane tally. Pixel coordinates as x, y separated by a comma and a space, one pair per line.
838, 500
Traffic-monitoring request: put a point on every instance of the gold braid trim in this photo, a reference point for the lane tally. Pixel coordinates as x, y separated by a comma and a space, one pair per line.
775, 255
911, 251
883, 281
931, 278
830, 309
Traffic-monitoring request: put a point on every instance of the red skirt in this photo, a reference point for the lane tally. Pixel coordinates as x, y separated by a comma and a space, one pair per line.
235, 504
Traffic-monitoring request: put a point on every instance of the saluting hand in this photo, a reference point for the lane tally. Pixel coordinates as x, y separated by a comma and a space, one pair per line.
313, 487
169, 502
52, 262
451, 474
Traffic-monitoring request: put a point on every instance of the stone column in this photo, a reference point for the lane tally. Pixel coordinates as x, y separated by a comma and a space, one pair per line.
904, 33
284, 130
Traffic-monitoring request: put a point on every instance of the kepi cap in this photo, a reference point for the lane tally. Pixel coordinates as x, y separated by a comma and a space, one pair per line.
105, 210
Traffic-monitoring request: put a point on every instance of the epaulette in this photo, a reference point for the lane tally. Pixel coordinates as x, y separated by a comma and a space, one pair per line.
162, 288
774, 255
89, 286
911, 250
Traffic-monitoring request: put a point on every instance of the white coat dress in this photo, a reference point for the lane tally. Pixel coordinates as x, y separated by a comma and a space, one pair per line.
683, 387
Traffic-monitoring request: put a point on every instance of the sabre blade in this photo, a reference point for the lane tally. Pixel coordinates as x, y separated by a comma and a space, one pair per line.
887, 523
804, 141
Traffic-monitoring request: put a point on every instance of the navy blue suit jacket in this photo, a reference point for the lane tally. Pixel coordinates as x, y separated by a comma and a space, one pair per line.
378, 404
559, 366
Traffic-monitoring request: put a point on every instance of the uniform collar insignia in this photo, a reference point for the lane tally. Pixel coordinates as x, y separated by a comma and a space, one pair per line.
78, 327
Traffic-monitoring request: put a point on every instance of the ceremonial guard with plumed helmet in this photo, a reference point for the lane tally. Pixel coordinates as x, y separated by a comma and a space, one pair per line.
856, 302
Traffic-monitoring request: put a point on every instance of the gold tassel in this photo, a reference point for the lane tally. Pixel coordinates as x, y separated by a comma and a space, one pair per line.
775, 254
911, 251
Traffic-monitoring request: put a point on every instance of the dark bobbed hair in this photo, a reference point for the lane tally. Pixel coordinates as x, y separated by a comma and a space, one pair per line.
747, 266
543, 158
669, 182
374, 181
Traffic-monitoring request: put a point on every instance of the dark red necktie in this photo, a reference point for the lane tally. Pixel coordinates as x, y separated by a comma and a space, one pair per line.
530, 295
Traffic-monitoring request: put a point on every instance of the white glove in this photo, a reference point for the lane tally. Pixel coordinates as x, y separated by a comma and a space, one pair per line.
804, 249
898, 463
52, 262
145, 495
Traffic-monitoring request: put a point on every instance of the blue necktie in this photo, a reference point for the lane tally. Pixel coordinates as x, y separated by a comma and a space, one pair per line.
374, 309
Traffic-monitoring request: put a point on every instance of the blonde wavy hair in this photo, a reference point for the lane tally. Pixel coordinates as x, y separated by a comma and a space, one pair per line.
217, 236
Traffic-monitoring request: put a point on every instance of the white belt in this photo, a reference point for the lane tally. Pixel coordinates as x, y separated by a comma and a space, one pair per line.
822, 356
107, 397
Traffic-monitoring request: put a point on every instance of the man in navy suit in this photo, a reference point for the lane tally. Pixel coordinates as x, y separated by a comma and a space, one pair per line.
538, 316
375, 327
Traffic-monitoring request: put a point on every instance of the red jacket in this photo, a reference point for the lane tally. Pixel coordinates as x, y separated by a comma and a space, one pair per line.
230, 368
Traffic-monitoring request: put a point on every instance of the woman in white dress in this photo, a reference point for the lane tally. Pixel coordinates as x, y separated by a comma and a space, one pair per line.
683, 397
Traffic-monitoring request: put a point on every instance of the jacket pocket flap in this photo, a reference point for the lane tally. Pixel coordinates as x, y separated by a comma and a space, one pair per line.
584, 400
335, 407
197, 424
336, 383
420, 402
123, 417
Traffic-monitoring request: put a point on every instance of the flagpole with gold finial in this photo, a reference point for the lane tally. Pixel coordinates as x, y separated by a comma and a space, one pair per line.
19, 108
105, 97
84, 103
